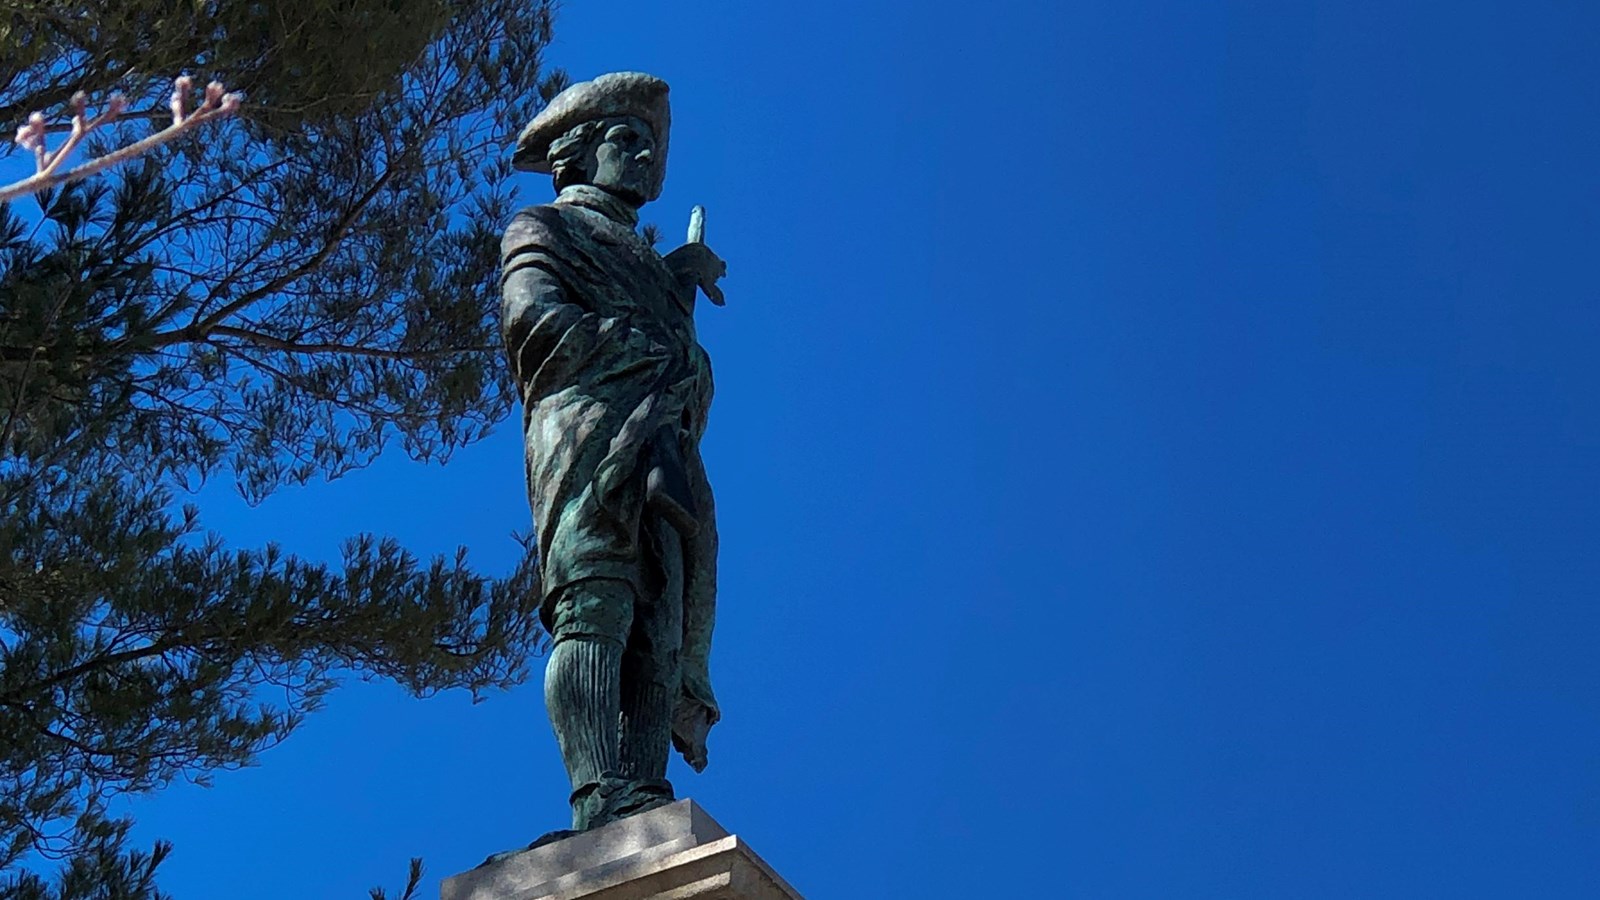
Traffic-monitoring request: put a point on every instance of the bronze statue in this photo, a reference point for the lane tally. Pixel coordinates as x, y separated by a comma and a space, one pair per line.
615, 392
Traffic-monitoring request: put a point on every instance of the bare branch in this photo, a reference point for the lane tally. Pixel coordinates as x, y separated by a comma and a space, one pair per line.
31, 135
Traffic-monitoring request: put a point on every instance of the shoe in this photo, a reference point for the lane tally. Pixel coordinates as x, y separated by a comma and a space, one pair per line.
611, 798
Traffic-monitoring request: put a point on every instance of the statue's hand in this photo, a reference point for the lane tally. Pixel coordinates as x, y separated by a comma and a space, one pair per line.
690, 727
696, 264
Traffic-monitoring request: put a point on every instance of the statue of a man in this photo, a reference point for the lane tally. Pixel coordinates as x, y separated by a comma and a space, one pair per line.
615, 392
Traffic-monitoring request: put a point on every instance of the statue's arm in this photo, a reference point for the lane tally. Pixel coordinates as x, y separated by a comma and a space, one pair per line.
530, 297
538, 312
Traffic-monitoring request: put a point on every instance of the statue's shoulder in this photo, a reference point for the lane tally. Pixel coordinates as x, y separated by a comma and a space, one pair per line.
549, 226
537, 226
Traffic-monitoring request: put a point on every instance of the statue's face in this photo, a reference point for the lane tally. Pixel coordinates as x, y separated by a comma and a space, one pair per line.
624, 160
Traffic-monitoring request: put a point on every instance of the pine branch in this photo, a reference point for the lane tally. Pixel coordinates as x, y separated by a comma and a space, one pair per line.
201, 327
413, 881
270, 342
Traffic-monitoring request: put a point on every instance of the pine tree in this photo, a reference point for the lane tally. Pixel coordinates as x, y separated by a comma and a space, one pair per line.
275, 300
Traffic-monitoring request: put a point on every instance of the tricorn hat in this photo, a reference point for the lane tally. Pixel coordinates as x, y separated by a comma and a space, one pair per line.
617, 94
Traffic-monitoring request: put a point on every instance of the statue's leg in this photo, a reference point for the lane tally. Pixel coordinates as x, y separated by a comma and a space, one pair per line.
582, 689
650, 667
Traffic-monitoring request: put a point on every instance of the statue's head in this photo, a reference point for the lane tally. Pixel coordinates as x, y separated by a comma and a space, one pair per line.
617, 153
610, 132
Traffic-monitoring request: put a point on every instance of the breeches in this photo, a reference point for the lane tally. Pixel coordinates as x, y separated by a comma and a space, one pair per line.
648, 625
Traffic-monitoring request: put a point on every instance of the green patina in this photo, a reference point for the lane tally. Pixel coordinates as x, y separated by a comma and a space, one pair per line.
616, 390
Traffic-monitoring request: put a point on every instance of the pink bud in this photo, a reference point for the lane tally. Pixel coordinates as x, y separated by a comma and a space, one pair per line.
231, 102
116, 105
214, 93
180, 98
31, 135
80, 103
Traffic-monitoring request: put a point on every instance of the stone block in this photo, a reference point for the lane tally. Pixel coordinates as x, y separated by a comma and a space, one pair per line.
677, 852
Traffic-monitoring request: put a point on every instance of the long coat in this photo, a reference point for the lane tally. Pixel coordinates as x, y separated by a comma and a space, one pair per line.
603, 347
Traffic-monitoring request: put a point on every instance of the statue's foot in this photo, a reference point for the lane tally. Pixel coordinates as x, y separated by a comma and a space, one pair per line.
645, 805
548, 838
610, 799
559, 834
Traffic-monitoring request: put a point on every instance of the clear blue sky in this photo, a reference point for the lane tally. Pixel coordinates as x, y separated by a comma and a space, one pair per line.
1157, 450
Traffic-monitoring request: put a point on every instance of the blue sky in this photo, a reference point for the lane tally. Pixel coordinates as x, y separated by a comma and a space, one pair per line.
1156, 448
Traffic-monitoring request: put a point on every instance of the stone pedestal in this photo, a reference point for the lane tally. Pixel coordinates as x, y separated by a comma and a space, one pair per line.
676, 852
